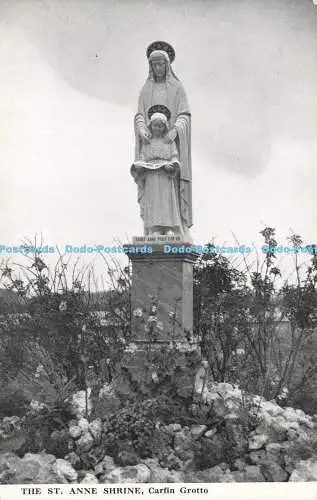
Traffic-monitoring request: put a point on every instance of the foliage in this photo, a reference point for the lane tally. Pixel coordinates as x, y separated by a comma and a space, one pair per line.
221, 300
134, 426
240, 316
255, 332
47, 392
61, 314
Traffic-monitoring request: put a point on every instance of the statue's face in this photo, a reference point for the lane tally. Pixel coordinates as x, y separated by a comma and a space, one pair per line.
159, 67
158, 128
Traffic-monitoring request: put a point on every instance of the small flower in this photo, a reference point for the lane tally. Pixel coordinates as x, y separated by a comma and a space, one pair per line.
131, 347
138, 313
240, 352
38, 370
154, 377
171, 315
159, 326
36, 405
153, 309
63, 306
283, 394
152, 319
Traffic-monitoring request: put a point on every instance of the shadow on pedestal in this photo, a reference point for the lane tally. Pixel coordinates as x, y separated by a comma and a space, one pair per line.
162, 293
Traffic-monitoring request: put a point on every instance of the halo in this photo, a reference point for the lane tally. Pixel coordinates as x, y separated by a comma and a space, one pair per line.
159, 108
159, 45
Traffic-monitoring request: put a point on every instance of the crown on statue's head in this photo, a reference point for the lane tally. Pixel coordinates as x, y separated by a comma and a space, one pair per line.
159, 45
159, 108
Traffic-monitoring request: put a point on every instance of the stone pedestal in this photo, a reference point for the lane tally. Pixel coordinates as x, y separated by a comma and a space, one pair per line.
162, 292
162, 357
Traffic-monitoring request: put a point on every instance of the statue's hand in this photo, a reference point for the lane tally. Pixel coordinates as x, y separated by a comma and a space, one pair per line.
145, 136
171, 136
169, 168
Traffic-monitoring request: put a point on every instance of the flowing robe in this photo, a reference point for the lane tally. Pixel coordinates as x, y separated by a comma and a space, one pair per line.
159, 189
172, 95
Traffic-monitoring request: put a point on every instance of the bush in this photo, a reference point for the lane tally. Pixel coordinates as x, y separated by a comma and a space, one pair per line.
133, 425
256, 332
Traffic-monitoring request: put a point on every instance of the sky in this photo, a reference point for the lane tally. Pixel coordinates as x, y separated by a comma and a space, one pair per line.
70, 74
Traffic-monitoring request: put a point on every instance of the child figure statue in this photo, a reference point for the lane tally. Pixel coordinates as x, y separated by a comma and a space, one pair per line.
157, 173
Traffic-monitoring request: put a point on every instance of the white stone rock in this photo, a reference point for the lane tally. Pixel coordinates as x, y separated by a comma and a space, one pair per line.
106, 465
307, 421
232, 416
73, 459
210, 397
258, 441
266, 418
271, 408
274, 448
140, 473
198, 430
95, 429
105, 389
173, 427
252, 474
240, 464
83, 424
75, 431
78, 403
306, 470
280, 424
85, 443
300, 412
290, 414
220, 408
274, 472
65, 471
256, 457
294, 425
162, 475
292, 434
210, 433
89, 479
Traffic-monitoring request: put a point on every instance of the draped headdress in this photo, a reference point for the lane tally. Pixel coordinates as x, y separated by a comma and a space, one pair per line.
161, 50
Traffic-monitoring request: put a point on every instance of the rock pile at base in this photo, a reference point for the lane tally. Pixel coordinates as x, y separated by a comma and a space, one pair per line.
245, 439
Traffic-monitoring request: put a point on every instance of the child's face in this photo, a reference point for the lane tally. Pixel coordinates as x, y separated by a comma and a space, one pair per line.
158, 128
